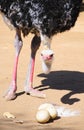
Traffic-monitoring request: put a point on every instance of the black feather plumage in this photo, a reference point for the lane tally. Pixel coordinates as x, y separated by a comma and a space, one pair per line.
47, 16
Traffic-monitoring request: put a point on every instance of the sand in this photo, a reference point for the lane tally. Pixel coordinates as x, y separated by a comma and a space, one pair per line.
64, 86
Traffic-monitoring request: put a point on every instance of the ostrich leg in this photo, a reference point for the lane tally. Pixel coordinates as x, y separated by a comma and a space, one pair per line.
11, 92
29, 79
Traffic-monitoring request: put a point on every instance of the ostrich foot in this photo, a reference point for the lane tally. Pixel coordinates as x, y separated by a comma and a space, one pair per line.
35, 93
10, 95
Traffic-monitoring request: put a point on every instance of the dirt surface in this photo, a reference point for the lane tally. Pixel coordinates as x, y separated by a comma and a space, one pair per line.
63, 86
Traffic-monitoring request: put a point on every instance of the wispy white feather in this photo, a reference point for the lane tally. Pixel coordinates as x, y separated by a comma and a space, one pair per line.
65, 112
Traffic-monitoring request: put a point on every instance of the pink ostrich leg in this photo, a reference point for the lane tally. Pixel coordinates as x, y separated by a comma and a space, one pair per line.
11, 92
29, 79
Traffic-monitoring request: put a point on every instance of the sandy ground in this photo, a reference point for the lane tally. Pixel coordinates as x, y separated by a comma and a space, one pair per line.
63, 86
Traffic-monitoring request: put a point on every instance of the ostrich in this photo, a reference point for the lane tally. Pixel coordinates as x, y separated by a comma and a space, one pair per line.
43, 18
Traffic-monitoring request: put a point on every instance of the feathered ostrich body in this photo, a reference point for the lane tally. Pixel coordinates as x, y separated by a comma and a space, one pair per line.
44, 18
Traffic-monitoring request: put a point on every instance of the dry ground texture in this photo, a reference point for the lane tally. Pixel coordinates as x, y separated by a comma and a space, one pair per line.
63, 86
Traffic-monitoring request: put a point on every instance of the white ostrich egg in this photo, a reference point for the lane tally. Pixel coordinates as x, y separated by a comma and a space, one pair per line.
42, 116
50, 108
52, 112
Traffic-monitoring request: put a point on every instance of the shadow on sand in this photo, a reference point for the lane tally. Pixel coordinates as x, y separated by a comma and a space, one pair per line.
64, 80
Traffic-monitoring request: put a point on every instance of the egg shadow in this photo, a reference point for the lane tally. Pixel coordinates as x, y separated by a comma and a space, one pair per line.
72, 81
